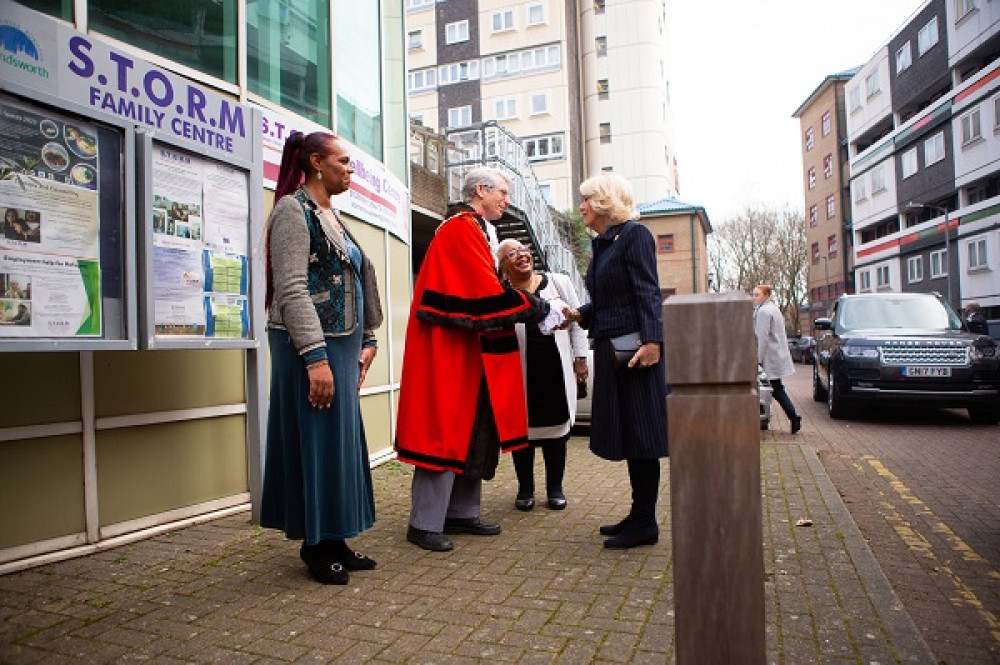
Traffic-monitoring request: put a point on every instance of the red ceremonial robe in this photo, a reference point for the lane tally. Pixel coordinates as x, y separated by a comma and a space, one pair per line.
461, 360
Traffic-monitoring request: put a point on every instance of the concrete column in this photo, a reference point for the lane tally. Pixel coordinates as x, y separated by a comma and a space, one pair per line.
714, 433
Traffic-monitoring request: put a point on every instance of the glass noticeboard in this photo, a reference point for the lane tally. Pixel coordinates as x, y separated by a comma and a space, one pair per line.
196, 233
62, 235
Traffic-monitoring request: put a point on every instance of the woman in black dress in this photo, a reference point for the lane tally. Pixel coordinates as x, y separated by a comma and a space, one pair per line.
554, 364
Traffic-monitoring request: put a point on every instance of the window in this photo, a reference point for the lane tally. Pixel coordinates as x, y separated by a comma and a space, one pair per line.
536, 14
813, 214
357, 45
939, 266
864, 281
970, 127
812, 177
286, 64
914, 269
934, 149
827, 123
814, 252
831, 246
927, 37
904, 58
206, 38
809, 139
503, 20
963, 7
860, 190
458, 71
996, 112
598, 6
605, 130
539, 103
908, 162
603, 90
601, 46
456, 32
872, 86
522, 62
422, 80
831, 207
545, 189
459, 116
882, 277
412, 5
977, 254
854, 99
415, 39
505, 109
665, 243
828, 166
878, 179
543, 148
417, 117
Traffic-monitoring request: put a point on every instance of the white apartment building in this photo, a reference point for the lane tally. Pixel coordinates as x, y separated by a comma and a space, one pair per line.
583, 85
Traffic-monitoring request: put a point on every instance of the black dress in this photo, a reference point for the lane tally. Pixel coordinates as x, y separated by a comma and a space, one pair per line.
546, 389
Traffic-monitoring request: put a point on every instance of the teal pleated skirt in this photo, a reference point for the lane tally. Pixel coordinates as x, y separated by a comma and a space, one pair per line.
317, 479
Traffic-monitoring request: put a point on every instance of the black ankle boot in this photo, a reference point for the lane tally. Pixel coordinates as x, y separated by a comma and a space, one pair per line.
338, 551
321, 567
617, 528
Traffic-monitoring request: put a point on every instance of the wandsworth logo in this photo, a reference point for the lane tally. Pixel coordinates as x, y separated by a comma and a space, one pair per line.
18, 50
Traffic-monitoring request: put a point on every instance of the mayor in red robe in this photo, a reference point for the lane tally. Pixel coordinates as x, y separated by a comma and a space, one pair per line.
461, 396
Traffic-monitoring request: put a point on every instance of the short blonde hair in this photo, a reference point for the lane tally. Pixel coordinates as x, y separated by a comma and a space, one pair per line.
610, 195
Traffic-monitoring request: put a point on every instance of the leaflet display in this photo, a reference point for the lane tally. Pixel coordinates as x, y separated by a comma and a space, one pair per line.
60, 193
199, 225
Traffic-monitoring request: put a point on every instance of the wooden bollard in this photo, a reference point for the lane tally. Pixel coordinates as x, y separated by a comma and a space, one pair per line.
714, 433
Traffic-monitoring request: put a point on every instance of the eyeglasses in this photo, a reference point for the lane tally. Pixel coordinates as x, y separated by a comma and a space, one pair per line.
503, 191
517, 251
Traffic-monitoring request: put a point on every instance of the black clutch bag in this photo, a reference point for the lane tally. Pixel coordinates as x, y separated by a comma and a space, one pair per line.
625, 347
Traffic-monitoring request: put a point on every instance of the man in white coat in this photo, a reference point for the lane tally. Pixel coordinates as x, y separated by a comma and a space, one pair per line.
772, 349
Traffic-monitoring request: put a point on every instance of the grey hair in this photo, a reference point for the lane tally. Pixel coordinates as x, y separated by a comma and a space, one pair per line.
505, 246
481, 175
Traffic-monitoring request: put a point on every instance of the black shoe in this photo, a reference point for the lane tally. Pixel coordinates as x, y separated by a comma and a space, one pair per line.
615, 529
472, 525
524, 504
634, 537
339, 552
429, 540
332, 573
796, 424
557, 500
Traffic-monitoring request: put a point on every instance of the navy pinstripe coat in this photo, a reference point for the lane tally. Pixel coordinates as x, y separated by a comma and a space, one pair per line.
629, 418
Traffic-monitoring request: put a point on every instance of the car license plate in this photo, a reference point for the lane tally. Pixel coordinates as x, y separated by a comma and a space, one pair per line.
927, 371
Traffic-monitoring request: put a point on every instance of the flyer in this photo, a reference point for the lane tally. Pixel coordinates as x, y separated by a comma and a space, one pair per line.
200, 222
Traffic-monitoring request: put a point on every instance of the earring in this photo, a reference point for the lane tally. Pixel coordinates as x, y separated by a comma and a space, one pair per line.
319, 175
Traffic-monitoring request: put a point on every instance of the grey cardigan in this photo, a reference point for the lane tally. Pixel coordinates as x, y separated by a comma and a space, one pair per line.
292, 308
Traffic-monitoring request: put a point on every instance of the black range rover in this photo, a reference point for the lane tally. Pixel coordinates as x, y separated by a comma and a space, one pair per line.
904, 348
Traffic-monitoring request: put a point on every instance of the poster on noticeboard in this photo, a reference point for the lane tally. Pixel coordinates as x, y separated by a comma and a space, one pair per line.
199, 227
50, 271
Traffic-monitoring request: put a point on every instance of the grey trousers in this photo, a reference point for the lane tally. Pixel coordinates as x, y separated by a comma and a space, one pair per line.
435, 495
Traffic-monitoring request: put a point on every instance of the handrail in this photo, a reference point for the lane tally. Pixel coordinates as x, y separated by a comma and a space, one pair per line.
489, 144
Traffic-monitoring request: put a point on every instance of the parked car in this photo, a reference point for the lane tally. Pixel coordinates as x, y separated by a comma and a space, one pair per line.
904, 348
583, 403
802, 349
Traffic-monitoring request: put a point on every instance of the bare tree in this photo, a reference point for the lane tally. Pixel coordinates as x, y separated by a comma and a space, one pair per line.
763, 245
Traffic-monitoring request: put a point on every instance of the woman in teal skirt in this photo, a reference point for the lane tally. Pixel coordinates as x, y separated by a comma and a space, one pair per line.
323, 309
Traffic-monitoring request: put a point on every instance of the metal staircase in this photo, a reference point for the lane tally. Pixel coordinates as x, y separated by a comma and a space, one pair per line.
529, 219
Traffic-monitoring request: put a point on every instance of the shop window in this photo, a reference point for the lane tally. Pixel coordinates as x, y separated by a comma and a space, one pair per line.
204, 33
359, 81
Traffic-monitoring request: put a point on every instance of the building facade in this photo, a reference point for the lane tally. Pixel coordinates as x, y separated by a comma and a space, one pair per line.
826, 185
923, 119
116, 441
681, 232
547, 72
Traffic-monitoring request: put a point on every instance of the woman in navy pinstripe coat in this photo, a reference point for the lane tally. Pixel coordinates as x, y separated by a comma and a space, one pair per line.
629, 420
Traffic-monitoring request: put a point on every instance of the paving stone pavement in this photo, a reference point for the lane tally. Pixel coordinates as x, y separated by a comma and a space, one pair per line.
544, 591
